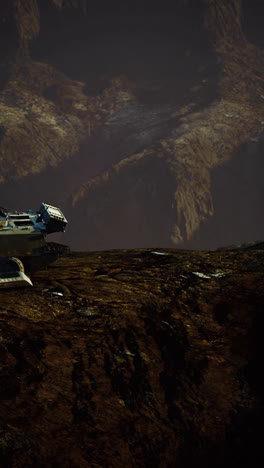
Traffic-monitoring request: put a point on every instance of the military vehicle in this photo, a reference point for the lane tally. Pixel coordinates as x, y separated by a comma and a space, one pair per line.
23, 246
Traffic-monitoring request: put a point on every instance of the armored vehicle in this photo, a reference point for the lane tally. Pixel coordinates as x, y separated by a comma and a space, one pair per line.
23, 246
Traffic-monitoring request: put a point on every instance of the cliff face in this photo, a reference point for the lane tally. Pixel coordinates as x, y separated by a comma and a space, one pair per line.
130, 358
129, 142
134, 358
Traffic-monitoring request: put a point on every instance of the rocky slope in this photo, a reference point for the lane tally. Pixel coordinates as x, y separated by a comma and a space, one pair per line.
134, 358
129, 163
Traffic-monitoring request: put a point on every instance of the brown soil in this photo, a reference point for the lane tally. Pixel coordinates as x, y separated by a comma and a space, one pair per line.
131, 358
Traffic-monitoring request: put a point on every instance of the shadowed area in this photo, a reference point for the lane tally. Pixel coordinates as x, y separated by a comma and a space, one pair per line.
132, 358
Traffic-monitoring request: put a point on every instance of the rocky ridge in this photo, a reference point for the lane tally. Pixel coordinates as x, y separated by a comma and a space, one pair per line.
134, 358
47, 117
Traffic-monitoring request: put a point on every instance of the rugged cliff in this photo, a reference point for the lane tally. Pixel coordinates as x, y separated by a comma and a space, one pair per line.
134, 358
137, 357
137, 143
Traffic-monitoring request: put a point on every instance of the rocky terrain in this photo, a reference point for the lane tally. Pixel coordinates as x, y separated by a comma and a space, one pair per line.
134, 358
128, 131
146, 128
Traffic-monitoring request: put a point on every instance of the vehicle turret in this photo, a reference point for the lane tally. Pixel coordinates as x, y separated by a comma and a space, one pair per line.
23, 243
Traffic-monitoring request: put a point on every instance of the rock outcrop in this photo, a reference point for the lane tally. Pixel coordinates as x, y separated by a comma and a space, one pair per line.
197, 142
143, 159
134, 358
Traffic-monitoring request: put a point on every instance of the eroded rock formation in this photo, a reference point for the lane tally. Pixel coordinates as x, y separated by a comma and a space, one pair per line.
141, 164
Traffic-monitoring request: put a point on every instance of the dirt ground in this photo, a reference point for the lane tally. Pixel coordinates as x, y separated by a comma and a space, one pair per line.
134, 358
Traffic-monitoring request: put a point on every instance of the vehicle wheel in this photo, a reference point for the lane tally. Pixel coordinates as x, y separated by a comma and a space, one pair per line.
12, 264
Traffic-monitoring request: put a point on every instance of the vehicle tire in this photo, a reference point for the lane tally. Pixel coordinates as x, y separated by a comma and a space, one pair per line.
11, 264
